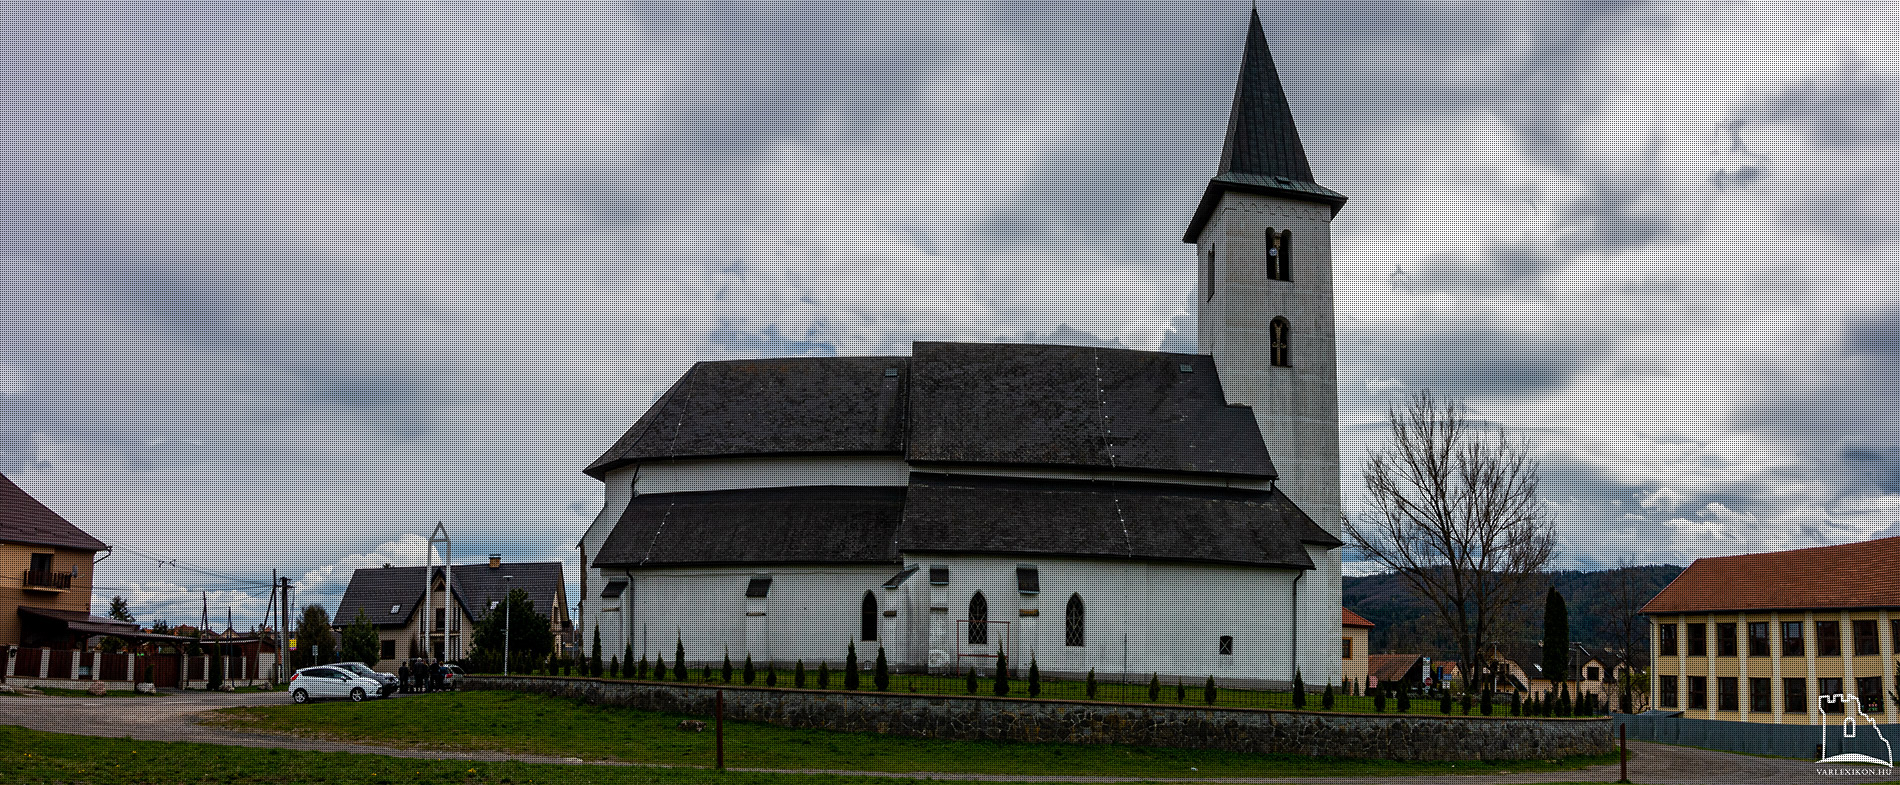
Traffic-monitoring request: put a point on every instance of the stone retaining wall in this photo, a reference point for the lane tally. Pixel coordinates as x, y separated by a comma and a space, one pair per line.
1382, 736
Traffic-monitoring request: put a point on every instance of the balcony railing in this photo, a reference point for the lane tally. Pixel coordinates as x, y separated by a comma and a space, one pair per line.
48, 579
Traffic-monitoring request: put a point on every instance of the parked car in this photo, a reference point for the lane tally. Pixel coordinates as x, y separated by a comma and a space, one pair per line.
389, 681
327, 681
455, 677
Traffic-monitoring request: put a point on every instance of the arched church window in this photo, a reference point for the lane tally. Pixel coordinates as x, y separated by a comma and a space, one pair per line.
1212, 271
979, 619
1073, 631
1280, 255
867, 618
1277, 335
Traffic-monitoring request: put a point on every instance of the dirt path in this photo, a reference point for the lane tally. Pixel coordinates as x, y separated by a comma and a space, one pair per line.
176, 718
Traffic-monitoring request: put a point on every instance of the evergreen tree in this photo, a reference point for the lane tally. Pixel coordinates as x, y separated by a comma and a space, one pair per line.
1091, 685
626, 656
613, 666
707, 676
1035, 674
1485, 707
679, 658
1002, 673
1563, 702
881, 671
1405, 701
1325, 698
824, 675
1464, 700
1378, 701
798, 675
771, 677
1299, 690
750, 674
515, 627
725, 667
969, 680
314, 636
1209, 694
593, 666
215, 677
1444, 701
122, 611
1180, 691
851, 666
1556, 637
659, 668
1517, 703
361, 642
1154, 686
641, 674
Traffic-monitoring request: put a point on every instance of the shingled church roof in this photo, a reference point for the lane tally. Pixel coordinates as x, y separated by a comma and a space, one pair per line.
1019, 404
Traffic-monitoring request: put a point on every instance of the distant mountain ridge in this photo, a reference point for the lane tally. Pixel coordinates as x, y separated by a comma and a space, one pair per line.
1408, 624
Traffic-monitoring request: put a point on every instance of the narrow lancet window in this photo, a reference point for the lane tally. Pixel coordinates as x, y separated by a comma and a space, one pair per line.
1074, 632
1278, 336
867, 618
979, 619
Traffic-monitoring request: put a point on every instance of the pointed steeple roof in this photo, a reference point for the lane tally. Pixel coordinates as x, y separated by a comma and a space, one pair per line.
1262, 153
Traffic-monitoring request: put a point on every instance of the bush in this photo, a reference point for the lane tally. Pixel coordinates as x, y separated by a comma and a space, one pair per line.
679, 659
1444, 701
824, 675
798, 675
725, 666
1405, 701
1154, 687
567, 667
613, 666
1299, 691
750, 674
1326, 698
1517, 704
1465, 700
1092, 685
881, 671
851, 666
1002, 673
1485, 707
1378, 701
1035, 674
771, 678
1623, 701
1210, 695
969, 680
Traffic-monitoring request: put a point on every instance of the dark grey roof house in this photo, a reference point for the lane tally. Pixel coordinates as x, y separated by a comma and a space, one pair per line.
392, 596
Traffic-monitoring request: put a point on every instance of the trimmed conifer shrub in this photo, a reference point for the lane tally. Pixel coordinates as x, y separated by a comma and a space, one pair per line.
969, 680
750, 674
659, 669
1517, 704
679, 659
881, 672
642, 672
798, 675
1485, 706
1002, 673
1090, 684
626, 659
1035, 674
1563, 701
1180, 691
1378, 701
1444, 701
1154, 687
1299, 691
771, 677
725, 666
1326, 698
613, 666
1209, 694
706, 673
1405, 701
851, 666
1465, 702
824, 675
593, 666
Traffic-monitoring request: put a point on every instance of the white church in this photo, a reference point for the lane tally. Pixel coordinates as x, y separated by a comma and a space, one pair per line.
1130, 512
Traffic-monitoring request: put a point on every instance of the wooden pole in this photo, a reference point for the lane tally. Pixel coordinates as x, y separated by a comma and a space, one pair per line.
1623, 733
719, 729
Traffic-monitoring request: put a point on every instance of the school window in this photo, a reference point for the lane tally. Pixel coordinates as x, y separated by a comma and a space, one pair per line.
1827, 638
1725, 639
1868, 688
1074, 632
1227, 644
1726, 698
1866, 638
389, 649
1794, 695
1698, 692
1666, 691
1666, 640
1791, 639
1345, 648
1278, 336
1758, 639
979, 619
1698, 640
1758, 698
1829, 689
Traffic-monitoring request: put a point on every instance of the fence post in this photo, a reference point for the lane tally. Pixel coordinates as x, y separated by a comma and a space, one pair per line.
719, 729
1623, 743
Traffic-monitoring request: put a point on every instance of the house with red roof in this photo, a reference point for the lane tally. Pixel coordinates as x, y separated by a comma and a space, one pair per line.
1355, 647
1774, 637
45, 575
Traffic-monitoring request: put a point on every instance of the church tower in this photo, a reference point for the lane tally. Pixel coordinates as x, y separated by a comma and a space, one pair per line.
1263, 237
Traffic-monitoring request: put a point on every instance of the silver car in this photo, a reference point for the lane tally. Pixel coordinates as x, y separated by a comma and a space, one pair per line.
389, 681
329, 681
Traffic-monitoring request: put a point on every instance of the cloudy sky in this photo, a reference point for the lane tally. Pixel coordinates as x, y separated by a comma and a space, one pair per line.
283, 285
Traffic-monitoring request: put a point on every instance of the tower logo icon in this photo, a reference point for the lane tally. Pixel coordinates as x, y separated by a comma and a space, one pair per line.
1854, 728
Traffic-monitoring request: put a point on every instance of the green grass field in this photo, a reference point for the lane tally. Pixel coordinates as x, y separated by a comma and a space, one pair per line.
542, 725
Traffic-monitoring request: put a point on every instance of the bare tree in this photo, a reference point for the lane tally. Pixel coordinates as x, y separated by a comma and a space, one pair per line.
1626, 590
1455, 512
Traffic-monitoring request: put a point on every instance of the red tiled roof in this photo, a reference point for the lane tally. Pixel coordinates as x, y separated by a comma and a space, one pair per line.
1855, 575
1391, 667
24, 519
1349, 619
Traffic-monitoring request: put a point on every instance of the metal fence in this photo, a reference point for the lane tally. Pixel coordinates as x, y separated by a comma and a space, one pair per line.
1753, 738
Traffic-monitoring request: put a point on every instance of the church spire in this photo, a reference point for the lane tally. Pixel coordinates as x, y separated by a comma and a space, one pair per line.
1261, 137
1262, 154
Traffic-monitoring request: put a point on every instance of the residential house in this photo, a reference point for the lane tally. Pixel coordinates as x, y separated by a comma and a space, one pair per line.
392, 598
45, 575
1389, 671
1355, 645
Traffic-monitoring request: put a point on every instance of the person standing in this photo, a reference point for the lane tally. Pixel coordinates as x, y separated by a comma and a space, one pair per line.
402, 679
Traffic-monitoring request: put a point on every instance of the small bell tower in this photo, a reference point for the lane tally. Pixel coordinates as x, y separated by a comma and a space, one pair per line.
1263, 238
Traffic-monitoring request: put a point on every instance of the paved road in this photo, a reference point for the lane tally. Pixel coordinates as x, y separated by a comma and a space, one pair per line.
173, 718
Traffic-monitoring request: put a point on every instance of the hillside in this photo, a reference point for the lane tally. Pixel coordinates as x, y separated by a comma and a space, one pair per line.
1410, 625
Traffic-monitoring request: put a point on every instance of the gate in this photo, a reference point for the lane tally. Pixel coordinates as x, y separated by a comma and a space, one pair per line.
197, 672
165, 669
59, 664
27, 664
112, 667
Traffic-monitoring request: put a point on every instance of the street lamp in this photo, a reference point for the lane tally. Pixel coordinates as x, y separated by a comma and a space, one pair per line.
508, 622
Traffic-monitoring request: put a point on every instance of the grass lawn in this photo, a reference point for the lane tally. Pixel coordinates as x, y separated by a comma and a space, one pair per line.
28, 756
538, 724
65, 693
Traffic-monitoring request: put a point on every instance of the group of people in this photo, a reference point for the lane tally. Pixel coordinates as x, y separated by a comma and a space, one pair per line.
422, 675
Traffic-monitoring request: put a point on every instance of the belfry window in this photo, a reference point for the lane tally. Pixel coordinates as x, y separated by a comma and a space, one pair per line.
1277, 335
979, 619
1227, 645
1074, 633
1212, 273
1280, 255
867, 618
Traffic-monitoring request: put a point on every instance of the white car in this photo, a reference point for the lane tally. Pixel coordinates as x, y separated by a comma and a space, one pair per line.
327, 681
